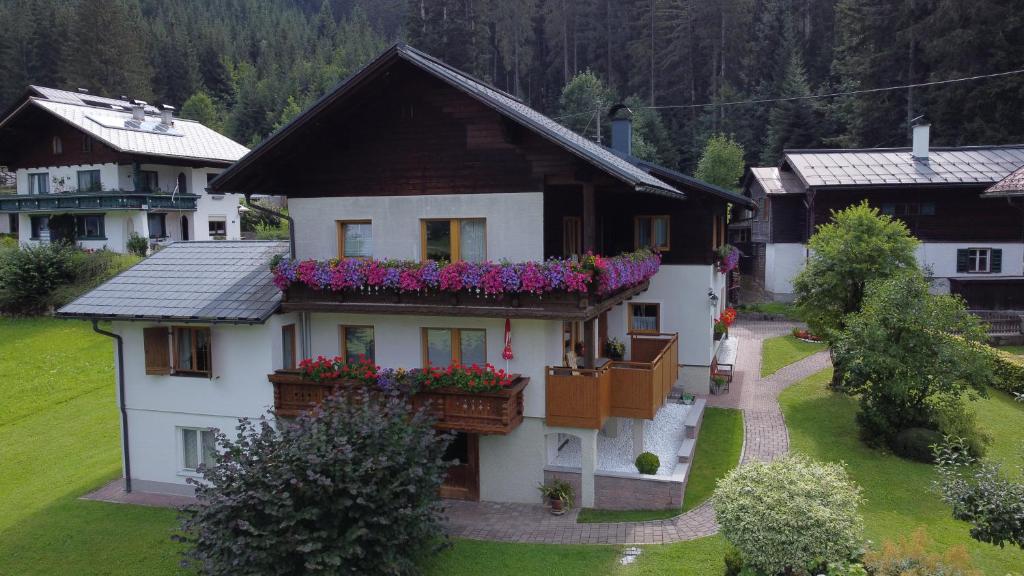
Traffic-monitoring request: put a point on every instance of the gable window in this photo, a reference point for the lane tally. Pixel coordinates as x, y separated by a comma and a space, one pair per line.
979, 260
644, 318
57, 145
356, 342
355, 239
40, 225
89, 181
218, 227
445, 346
39, 183
178, 350
89, 227
149, 180
210, 177
157, 225
198, 446
572, 236
454, 239
718, 230
288, 352
86, 143
651, 232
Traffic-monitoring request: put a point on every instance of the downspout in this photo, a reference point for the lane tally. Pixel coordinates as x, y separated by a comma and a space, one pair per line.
124, 411
265, 210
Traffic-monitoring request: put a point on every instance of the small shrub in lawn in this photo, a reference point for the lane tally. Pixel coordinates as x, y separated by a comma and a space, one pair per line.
29, 276
956, 418
351, 488
790, 515
916, 444
912, 556
137, 245
733, 561
647, 463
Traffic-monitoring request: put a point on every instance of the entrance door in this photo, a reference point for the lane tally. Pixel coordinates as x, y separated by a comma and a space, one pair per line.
463, 481
184, 228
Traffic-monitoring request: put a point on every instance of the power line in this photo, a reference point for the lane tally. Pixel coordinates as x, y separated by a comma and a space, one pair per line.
817, 96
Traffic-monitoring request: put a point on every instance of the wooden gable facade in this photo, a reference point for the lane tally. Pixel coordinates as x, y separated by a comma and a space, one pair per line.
29, 142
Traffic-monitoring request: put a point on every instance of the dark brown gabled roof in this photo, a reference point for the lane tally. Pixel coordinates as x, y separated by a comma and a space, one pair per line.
240, 176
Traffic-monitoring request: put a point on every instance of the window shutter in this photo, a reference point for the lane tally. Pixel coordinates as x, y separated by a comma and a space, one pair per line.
157, 350
996, 265
962, 264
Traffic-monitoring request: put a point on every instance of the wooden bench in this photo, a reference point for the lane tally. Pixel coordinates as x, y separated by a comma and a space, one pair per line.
724, 362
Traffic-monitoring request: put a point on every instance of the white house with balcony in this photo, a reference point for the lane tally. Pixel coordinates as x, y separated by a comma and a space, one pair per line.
96, 171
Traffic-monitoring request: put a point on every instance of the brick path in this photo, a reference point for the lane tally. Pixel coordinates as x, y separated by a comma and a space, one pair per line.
765, 438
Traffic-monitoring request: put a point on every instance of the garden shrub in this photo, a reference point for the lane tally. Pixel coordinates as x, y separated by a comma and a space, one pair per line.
792, 514
916, 444
1008, 375
28, 276
137, 245
647, 463
89, 269
733, 561
911, 557
351, 488
956, 418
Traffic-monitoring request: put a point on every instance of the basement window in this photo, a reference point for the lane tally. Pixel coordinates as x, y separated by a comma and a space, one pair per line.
198, 446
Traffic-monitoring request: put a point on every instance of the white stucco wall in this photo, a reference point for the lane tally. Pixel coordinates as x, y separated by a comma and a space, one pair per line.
157, 406
515, 222
940, 259
782, 263
108, 176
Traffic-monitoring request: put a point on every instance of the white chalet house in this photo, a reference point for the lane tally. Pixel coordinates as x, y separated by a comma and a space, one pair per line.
97, 170
411, 160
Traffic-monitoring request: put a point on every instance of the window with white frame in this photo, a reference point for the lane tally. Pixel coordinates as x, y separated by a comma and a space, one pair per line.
39, 183
979, 259
218, 227
198, 446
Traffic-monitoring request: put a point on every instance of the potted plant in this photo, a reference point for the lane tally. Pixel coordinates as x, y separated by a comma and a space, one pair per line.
614, 349
724, 320
720, 329
717, 383
559, 495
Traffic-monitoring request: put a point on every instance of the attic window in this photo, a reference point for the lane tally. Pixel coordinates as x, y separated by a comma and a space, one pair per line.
86, 143
57, 145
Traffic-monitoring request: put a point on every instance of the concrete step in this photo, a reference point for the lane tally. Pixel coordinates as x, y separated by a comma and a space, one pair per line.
694, 418
685, 453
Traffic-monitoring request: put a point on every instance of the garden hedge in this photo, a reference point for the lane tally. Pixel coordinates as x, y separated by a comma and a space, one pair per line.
1009, 372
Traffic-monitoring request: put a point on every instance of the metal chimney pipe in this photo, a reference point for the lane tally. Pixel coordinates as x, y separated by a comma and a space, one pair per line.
139, 110
622, 129
921, 137
167, 115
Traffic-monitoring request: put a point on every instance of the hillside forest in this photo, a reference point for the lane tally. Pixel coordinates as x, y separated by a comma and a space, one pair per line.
689, 67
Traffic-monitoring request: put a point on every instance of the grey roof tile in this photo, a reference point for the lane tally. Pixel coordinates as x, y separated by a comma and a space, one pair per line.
228, 281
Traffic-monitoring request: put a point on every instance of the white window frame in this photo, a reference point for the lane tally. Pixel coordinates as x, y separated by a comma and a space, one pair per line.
974, 260
34, 178
212, 218
179, 433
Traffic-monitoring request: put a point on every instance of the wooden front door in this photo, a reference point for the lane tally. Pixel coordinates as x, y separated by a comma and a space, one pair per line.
463, 481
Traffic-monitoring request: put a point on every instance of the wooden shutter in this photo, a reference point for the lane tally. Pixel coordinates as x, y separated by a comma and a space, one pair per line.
157, 349
996, 264
962, 264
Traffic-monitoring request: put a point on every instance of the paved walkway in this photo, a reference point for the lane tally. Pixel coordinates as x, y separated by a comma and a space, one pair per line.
765, 438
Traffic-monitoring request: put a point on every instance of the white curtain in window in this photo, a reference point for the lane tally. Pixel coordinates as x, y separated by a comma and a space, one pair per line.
209, 443
184, 346
439, 347
472, 240
473, 346
189, 449
358, 241
660, 231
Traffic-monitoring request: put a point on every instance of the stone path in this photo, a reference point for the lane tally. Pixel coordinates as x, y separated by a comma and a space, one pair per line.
765, 438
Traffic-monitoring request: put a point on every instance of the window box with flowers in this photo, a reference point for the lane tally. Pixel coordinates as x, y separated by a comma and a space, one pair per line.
727, 257
476, 399
537, 289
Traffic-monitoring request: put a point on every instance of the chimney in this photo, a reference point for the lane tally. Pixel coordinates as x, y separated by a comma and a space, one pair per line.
139, 110
167, 115
920, 150
622, 129
83, 91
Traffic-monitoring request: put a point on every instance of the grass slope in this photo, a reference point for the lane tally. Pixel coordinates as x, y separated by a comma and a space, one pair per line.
1018, 350
898, 492
718, 452
784, 350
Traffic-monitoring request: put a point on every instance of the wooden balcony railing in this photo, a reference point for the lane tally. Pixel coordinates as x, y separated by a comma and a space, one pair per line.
475, 412
635, 388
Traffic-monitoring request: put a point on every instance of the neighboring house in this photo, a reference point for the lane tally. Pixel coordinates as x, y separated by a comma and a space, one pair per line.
972, 241
411, 159
96, 170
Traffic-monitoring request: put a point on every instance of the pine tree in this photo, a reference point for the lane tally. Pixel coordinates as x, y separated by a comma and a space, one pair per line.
584, 99
201, 108
792, 123
115, 61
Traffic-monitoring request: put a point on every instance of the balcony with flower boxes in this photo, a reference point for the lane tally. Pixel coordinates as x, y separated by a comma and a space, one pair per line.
634, 388
490, 402
558, 289
103, 200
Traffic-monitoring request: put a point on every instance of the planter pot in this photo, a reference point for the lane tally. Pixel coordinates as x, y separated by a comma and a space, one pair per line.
718, 336
557, 506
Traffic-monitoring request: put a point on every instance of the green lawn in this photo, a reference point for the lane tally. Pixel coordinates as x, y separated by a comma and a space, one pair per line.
898, 492
784, 350
1019, 350
718, 452
782, 309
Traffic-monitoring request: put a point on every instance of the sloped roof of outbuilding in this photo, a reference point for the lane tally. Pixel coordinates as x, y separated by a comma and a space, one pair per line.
1012, 185
212, 282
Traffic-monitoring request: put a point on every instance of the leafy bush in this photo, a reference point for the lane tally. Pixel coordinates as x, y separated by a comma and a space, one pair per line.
348, 489
910, 557
648, 463
733, 561
8, 242
790, 515
89, 270
956, 418
29, 276
917, 443
137, 245
1008, 374
266, 231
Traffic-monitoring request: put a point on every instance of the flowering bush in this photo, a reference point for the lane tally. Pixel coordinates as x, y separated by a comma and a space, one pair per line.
725, 320
790, 515
571, 275
473, 378
728, 258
